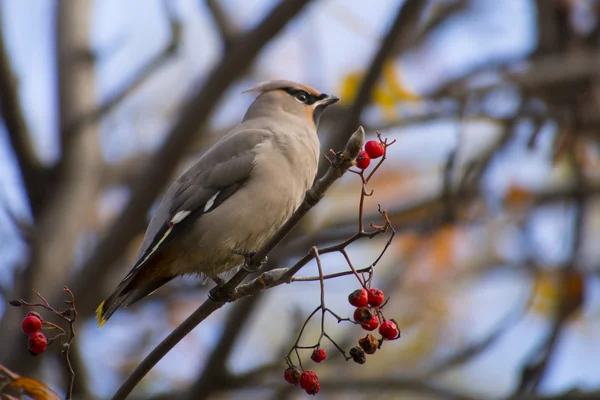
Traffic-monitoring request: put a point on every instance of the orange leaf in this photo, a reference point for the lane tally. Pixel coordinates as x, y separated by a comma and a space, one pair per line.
517, 195
34, 389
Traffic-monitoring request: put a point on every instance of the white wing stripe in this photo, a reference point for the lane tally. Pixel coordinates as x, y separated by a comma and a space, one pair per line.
210, 202
180, 216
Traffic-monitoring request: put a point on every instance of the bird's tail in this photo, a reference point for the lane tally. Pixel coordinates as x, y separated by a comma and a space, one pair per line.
128, 292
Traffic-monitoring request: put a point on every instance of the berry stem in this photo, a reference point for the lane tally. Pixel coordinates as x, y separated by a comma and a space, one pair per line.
345, 254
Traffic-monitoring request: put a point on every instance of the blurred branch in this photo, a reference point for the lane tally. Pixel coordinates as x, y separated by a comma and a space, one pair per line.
570, 300
12, 114
215, 371
469, 353
223, 23
159, 169
144, 73
230, 290
403, 24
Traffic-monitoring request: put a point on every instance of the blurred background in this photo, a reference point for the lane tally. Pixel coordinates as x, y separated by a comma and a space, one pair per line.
492, 185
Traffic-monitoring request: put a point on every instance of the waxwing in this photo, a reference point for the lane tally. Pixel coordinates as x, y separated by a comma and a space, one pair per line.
238, 194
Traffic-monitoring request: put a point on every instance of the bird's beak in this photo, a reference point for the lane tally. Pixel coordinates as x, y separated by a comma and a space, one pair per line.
328, 101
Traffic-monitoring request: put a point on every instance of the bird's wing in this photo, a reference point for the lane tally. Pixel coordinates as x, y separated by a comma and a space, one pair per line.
219, 173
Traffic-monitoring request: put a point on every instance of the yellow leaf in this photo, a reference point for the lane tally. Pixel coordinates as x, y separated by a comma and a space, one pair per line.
34, 389
387, 92
399, 92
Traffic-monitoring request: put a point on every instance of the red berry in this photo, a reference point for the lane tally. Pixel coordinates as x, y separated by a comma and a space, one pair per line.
315, 389
376, 297
31, 324
363, 160
359, 298
318, 355
389, 330
37, 342
309, 381
292, 375
372, 324
362, 315
374, 149
34, 314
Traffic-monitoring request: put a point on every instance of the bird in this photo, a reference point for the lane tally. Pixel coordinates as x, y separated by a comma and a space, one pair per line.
234, 198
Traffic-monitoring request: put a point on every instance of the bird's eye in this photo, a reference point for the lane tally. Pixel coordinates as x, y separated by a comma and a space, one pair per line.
302, 97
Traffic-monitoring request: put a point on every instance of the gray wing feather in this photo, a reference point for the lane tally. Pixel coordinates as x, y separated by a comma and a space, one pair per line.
225, 165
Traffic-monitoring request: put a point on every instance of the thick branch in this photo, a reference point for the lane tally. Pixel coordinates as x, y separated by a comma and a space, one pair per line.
16, 125
340, 165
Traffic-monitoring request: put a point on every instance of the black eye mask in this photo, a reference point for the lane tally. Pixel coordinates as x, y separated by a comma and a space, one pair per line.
310, 98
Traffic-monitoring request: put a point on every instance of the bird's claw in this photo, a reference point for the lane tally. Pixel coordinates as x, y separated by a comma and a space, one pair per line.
215, 294
248, 254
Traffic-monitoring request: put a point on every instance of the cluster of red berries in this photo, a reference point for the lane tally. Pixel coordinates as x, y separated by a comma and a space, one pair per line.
373, 149
31, 325
308, 380
367, 314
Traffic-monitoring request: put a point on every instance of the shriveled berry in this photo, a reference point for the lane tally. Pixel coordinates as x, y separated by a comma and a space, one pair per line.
372, 324
358, 355
318, 355
376, 297
37, 343
363, 160
292, 375
309, 381
362, 315
31, 324
369, 344
359, 298
374, 149
389, 330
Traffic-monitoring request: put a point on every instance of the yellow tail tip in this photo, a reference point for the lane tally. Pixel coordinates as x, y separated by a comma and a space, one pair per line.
99, 316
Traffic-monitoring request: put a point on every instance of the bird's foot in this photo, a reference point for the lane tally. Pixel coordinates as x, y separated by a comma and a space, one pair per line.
216, 294
248, 254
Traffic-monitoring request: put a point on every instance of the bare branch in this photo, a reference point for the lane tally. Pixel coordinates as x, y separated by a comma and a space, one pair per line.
18, 132
145, 72
404, 22
223, 23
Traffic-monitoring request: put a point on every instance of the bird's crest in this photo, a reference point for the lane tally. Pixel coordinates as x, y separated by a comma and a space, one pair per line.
282, 84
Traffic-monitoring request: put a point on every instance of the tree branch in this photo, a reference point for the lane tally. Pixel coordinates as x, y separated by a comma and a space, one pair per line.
225, 293
223, 23
18, 132
404, 22
139, 79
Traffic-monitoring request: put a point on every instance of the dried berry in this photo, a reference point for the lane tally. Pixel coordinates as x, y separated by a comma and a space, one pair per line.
309, 381
389, 330
318, 355
369, 344
372, 324
376, 297
359, 298
292, 375
363, 160
37, 343
362, 315
31, 324
358, 355
374, 149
